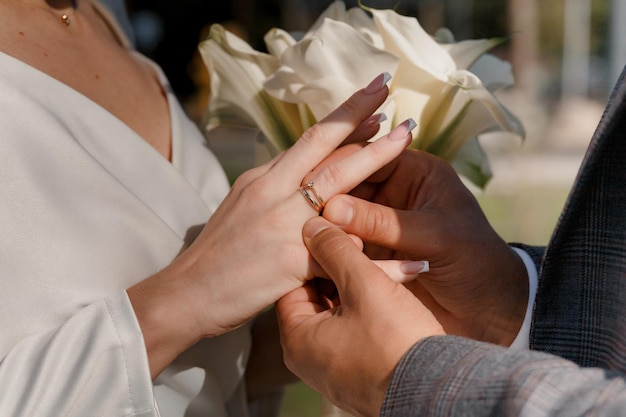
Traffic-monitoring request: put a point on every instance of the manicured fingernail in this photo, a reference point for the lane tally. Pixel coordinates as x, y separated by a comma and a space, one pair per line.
341, 212
402, 130
378, 83
415, 267
375, 119
314, 226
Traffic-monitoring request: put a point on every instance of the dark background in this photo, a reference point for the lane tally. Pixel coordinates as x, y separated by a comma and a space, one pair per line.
169, 31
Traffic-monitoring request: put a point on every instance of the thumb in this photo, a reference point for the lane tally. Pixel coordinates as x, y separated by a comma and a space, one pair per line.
376, 223
354, 274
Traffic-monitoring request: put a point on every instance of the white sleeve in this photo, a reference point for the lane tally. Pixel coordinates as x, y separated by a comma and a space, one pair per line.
522, 340
95, 364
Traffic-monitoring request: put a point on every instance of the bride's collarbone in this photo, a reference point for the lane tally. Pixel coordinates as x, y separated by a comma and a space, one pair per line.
89, 59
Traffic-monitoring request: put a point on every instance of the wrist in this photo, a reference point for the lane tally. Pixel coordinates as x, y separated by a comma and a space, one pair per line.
511, 303
165, 319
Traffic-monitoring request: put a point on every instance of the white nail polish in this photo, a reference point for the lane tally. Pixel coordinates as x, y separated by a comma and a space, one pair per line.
402, 130
415, 267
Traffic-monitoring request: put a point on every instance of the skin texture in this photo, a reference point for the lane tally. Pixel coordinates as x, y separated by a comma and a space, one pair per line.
227, 276
348, 350
88, 56
418, 208
251, 251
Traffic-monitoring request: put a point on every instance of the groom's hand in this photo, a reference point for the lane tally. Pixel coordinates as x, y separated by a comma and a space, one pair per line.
348, 351
417, 208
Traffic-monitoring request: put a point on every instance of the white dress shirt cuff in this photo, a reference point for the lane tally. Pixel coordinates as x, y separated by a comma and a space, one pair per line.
522, 340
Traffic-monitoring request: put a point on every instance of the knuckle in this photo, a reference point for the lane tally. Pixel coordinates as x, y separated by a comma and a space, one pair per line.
328, 243
253, 191
374, 223
242, 181
248, 177
351, 106
333, 175
315, 135
378, 150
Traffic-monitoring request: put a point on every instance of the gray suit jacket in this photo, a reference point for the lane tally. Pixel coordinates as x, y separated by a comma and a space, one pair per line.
579, 317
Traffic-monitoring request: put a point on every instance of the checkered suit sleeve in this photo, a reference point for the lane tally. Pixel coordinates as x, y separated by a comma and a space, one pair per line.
451, 376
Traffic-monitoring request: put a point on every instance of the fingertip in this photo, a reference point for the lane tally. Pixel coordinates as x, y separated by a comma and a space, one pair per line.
403, 130
415, 267
375, 120
402, 272
314, 225
377, 84
339, 210
357, 241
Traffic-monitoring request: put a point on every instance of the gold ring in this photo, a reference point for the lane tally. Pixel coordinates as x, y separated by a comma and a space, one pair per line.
312, 197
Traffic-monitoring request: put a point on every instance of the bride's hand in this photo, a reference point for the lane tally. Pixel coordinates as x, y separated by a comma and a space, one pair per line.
251, 252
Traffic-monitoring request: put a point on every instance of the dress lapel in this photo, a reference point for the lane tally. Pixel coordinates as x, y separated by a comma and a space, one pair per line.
580, 311
163, 187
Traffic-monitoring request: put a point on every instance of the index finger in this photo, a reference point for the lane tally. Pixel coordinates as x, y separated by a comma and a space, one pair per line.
325, 136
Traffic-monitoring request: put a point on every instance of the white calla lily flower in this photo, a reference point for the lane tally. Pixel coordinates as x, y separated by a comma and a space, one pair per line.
356, 18
237, 95
277, 41
322, 73
446, 86
494, 72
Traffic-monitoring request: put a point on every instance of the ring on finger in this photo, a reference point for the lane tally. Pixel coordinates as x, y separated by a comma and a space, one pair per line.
312, 197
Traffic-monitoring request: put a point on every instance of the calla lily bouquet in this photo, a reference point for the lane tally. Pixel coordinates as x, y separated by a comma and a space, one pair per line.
446, 86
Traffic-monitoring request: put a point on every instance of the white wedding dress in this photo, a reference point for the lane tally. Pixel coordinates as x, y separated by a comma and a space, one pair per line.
87, 209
